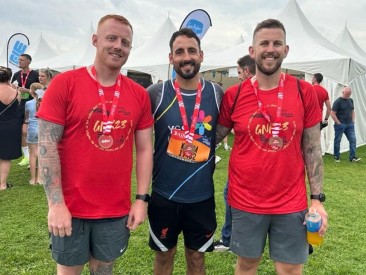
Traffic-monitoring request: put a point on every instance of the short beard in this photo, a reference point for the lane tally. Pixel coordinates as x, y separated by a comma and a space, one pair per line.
189, 75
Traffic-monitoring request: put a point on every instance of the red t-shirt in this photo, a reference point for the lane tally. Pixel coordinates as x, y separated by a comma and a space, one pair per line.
96, 182
322, 95
262, 180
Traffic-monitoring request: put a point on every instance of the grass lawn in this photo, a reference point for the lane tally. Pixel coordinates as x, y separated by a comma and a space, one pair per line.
24, 236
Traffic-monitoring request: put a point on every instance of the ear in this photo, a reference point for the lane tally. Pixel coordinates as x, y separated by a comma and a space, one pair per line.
287, 49
251, 51
171, 58
94, 40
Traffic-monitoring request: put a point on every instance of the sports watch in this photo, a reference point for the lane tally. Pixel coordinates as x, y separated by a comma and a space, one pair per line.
145, 198
320, 197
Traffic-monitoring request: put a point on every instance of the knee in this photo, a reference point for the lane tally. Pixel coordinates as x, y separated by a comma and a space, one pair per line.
246, 265
165, 257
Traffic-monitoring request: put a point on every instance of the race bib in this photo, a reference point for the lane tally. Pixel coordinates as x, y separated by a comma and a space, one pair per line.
197, 151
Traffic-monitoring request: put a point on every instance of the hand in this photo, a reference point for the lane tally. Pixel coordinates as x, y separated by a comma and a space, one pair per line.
59, 220
321, 210
22, 90
137, 214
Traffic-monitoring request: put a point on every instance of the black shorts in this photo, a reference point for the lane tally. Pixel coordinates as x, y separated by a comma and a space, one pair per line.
168, 218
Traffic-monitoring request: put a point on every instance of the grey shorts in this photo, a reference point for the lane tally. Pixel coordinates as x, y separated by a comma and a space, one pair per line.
286, 234
104, 240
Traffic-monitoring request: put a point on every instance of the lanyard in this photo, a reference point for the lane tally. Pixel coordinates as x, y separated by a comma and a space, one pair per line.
275, 129
188, 133
22, 80
108, 120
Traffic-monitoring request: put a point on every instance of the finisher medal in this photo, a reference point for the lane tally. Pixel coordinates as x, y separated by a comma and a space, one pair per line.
276, 142
188, 150
105, 141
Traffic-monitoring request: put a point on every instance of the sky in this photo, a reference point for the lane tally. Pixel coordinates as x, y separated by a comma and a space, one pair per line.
63, 22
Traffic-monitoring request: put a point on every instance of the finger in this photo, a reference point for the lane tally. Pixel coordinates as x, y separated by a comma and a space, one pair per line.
68, 231
61, 232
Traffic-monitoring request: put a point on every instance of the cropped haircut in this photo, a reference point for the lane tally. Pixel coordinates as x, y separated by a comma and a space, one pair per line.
184, 32
117, 17
247, 61
269, 24
27, 56
318, 77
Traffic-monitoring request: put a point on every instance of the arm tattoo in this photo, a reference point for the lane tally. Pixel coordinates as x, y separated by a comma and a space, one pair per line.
312, 153
49, 161
221, 133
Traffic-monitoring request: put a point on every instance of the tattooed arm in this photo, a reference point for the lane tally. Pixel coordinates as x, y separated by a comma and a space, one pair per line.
59, 217
314, 168
221, 133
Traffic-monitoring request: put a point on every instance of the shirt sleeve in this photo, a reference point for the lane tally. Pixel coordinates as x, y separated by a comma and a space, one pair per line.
312, 111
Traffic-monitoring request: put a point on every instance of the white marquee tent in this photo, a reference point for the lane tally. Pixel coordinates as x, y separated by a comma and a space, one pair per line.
40, 50
81, 55
345, 40
153, 56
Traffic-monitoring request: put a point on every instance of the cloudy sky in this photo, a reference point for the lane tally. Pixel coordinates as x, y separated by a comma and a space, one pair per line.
63, 22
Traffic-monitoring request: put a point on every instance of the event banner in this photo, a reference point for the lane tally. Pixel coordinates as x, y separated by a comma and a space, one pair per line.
199, 21
17, 45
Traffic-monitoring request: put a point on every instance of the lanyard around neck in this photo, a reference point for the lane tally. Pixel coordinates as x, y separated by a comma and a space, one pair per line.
276, 123
189, 134
22, 80
108, 119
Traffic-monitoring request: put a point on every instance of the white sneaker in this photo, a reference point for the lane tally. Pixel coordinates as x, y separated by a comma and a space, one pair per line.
227, 147
220, 247
217, 159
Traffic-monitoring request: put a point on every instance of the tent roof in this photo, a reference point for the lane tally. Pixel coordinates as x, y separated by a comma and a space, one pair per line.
345, 40
309, 52
40, 50
81, 55
153, 56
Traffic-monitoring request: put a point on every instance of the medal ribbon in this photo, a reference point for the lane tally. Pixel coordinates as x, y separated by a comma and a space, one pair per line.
189, 134
276, 125
22, 80
108, 120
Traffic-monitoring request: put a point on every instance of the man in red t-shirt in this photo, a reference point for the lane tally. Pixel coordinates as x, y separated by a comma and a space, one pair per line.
323, 98
276, 124
89, 120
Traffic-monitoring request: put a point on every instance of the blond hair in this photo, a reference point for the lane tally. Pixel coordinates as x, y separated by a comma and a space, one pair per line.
33, 87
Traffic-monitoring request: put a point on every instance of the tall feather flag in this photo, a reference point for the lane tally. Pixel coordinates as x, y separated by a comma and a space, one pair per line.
199, 21
17, 45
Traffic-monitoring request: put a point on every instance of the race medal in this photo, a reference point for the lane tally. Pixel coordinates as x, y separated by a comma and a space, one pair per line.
105, 141
188, 150
276, 143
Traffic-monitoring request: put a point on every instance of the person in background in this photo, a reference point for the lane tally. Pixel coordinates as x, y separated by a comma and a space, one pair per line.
31, 107
10, 127
323, 98
277, 141
343, 115
22, 80
45, 77
185, 110
246, 69
89, 120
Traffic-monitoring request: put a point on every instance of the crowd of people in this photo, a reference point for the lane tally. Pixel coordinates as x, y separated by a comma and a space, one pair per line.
18, 121
91, 118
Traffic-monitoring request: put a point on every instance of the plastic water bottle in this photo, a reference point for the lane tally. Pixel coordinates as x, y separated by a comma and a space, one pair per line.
313, 224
